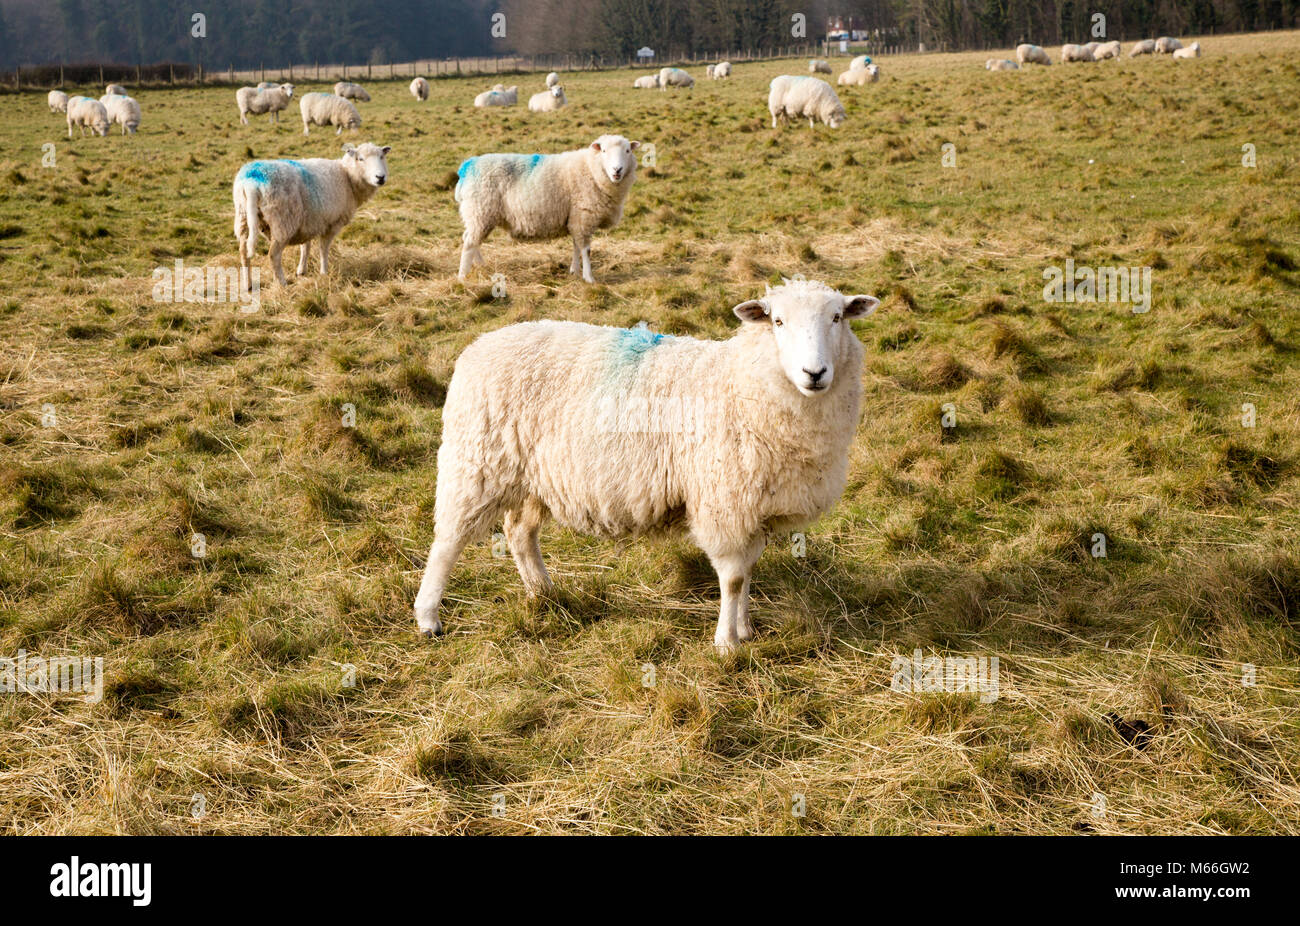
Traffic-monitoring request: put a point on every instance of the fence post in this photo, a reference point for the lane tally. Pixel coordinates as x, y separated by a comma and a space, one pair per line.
170, 67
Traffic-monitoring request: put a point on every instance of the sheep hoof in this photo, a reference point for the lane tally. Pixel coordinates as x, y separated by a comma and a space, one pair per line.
430, 633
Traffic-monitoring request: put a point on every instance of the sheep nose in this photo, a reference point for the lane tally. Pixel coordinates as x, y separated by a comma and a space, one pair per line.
380, 179
815, 376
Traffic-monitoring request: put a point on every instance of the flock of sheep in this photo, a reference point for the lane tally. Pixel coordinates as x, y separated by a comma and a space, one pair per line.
115, 107
1094, 51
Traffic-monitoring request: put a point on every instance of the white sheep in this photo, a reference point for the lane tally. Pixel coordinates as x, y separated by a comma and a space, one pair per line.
722, 70
857, 77
267, 85
328, 109
818, 66
420, 89
115, 90
255, 101
542, 196
1144, 47
84, 112
1032, 54
123, 111
646, 82
794, 96
548, 100
58, 101
1000, 64
1106, 50
497, 96
621, 432
1092, 48
674, 77
297, 201
708, 71
1166, 45
552, 79
1191, 51
860, 61
1075, 53
351, 91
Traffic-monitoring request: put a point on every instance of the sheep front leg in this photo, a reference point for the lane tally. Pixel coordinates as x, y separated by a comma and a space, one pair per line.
469, 252
734, 570
582, 256
325, 241
303, 256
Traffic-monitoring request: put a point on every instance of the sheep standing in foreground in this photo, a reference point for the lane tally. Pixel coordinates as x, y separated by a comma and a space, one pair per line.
674, 77
253, 101
84, 112
58, 101
794, 96
858, 77
552, 79
547, 101
497, 96
267, 85
1000, 64
123, 111
620, 432
296, 201
1075, 53
646, 82
328, 109
542, 196
818, 66
420, 89
1106, 50
1166, 45
1191, 51
115, 90
722, 70
1144, 47
351, 91
1031, 54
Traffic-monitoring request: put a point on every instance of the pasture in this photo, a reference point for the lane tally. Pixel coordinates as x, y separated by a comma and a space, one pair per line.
277, 685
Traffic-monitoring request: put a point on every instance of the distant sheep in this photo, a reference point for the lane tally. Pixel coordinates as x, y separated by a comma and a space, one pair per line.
621, 432
1106, 50
674, 77
351, 91
860, 61
115, 90
1191, 51
253, 101
420, 89
1075, 53
794, 96
498, 96
123, 111
708, 71
1166, 45
328, 109
857, 77
646, 82
1000, 64
552, 79
1092, 48
1032, 54
295, 202
818, 66
548, 101
1144, 47
542, 196
58, 101
722, 70
84, 113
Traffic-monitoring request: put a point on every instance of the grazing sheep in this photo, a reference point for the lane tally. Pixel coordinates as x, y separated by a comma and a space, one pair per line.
255, 101
1092, 49
1106, 50
328, 109
857, 77
58, 101
547, 101
542, 196
351, 91
296, 201
674, 77
794, 96
1191, 51
115, 90
1166, 45
621, 432
860, 61
83, 112
1144, 47
123, 111
708, 71
722, 70
1075, 53
420, 89
818, 66
1000, 64
1032, 54
552, 79
497, 96
646, 82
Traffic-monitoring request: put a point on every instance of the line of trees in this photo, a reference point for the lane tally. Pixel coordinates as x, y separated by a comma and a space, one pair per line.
248, 33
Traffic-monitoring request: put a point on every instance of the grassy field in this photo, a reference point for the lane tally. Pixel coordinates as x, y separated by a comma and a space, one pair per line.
230, 705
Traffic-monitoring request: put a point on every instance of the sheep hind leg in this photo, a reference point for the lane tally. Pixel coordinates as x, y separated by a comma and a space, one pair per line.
469, 252
276, 249
522, 528
450, 535
304, 255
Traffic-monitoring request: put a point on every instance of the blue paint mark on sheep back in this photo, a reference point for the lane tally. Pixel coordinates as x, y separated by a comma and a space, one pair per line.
467, 168
263, 173
632, 344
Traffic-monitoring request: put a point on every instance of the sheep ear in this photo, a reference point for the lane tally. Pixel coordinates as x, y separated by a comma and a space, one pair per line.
755, 310
595, 145
387, 148
860, 306
635, 145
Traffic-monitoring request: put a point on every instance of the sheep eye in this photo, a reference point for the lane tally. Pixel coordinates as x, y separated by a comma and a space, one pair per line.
777, 322
835, 320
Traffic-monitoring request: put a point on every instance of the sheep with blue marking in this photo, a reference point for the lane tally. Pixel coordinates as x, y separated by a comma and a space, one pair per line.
254, 101
861, 61
294, 202
622, 432
328, 109
84, 113
544, 196
497, 96
675, 77
794, 96
123, 111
